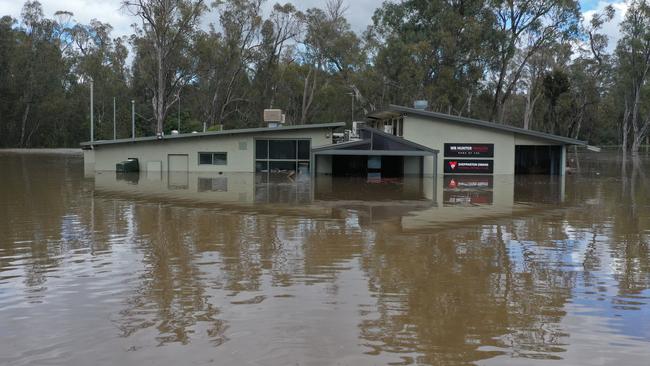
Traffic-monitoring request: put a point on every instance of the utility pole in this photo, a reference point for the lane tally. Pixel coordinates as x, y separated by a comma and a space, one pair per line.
179, 113
114, 128
132, 119
92, 115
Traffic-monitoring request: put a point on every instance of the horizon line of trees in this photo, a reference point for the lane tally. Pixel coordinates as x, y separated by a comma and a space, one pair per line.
535, 64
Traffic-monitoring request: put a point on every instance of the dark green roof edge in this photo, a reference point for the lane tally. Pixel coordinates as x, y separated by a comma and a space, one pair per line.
485, 124
217, 133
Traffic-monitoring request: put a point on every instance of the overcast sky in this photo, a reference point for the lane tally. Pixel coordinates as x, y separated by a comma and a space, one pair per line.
359, 12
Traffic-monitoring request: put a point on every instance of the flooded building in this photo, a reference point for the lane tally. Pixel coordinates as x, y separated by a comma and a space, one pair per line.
391, 143
239, 150
472, 146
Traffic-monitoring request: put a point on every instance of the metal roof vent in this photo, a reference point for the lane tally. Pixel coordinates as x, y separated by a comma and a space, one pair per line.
420, 104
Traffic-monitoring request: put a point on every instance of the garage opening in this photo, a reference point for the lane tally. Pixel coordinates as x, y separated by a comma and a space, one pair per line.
542, 159
367, 166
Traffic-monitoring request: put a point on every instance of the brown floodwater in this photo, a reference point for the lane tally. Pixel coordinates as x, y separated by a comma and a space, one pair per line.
244, 269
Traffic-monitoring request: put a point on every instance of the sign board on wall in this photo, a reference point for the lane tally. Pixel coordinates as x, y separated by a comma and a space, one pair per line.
468, 181
469, 150
469, 166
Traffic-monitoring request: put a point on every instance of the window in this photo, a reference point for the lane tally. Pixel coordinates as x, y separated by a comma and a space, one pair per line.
303, 149
213, 158
261, 149
282, 155
282, 149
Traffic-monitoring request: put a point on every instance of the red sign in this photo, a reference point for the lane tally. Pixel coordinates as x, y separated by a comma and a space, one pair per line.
469, 166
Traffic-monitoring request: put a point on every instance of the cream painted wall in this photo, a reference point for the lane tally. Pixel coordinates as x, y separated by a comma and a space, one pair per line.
412, 165
239, 160
323, 164
435, 133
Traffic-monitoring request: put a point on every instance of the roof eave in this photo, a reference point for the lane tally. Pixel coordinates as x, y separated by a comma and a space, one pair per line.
216, 133
486, 124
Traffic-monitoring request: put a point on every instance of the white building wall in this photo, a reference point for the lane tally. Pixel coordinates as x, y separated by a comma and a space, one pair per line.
435, 133
240, 149
412, 165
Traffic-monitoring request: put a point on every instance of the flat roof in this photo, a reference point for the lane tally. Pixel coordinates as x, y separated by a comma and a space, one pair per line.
384, 114
238, 131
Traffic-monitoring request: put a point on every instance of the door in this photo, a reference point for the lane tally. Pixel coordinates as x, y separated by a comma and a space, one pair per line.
177, 162
177, 171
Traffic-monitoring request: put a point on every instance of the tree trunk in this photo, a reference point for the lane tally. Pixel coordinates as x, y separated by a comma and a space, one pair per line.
24, 125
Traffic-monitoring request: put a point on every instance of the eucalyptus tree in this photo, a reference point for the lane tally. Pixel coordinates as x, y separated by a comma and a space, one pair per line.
280, 31
633, 74
526, 26
162, 42
225, 55
435, 50
34, 69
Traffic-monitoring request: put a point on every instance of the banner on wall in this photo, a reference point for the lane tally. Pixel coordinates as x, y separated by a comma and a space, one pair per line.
469, 166
469, 150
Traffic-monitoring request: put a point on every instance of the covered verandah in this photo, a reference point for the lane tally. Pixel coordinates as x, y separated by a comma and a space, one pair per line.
376, 155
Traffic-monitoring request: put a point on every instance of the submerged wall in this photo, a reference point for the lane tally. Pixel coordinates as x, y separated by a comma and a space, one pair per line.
435, 133
239, 147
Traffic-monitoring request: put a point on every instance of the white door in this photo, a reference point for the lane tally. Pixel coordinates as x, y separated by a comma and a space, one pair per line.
177, 162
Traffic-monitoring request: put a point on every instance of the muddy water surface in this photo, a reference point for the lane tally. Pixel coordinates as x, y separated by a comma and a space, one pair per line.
103, 269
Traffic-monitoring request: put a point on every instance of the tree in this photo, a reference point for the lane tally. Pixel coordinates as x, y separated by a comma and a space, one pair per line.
529, 26
633, 62
167, 30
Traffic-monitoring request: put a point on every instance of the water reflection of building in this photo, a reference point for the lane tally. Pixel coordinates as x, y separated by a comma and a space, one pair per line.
414, 204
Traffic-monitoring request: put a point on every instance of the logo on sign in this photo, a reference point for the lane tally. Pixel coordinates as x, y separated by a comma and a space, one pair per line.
452, 165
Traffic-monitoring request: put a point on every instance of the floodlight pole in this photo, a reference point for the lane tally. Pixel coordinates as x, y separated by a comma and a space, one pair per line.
114, 128
92, 115
132, 119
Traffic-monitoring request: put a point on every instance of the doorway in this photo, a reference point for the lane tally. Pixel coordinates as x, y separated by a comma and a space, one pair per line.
538, 159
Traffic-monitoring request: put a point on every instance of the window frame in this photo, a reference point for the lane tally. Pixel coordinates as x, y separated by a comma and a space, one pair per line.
268, 160
212, 160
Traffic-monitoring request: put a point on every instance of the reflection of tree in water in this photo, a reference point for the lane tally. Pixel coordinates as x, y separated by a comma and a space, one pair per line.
43, 216
612, 217
183, 285
172, 293
442, 296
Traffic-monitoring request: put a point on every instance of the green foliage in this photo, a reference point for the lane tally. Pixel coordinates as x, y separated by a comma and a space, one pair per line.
512, 62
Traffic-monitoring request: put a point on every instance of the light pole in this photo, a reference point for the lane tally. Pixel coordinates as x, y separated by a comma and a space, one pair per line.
114, 128
92, 112
132, 119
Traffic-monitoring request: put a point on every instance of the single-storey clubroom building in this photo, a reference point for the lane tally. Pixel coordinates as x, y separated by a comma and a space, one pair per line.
394, 142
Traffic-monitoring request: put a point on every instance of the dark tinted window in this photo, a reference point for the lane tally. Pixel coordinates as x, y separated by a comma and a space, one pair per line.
220, 159
261, 151
282, 149
282, 165
205, 158
303, 149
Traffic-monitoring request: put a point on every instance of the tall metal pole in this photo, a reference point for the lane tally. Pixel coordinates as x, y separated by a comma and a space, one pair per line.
114, 128
92, 114
132, 119
179, 114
